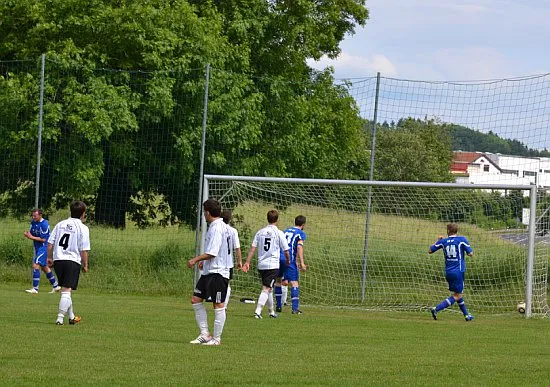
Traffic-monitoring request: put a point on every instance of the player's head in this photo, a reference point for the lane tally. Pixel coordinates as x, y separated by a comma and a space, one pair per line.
272, 216
452, 229
300, 221
226, 216
212, 207
36, 214
78, 209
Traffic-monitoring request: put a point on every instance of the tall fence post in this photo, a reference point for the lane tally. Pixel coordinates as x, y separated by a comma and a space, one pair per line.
40, 119
371, 177
201, 170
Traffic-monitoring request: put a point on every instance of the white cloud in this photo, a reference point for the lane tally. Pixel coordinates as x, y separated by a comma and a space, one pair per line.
352, 66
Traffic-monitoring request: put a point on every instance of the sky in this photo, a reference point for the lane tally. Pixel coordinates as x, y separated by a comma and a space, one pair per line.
436, 58
448, 40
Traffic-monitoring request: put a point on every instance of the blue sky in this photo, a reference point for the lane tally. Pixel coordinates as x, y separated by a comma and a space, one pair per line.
448, 40
437, 42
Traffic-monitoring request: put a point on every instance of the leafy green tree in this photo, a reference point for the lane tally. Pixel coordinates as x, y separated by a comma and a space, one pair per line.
415, 150
109, 134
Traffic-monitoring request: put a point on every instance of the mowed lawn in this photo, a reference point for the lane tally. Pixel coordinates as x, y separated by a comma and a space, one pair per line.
142, 340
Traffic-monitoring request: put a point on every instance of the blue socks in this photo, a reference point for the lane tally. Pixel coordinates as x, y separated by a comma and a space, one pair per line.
52, 279
445, 304
35, 278
295, 296
462, 306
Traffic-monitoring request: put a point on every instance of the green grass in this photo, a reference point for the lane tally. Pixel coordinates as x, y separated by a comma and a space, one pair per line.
143, 340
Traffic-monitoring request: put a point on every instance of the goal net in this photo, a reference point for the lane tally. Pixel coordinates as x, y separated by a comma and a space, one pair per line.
367, 242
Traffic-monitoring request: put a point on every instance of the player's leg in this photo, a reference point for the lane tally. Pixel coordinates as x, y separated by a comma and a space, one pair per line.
220, 284
284, 292
200, 312
68, 273
266, 296
49, 274
39, 256
459, 289
449, 301
278, 287
228, 288
292, 275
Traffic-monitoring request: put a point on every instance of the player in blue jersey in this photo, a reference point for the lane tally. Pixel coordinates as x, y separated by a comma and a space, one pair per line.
295, 237
39, 233
455, 248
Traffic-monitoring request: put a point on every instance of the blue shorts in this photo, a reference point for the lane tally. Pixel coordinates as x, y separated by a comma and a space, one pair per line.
290, 272
41, 256
455, 280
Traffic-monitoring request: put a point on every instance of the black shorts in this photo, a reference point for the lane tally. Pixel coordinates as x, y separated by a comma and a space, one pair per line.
231, 273
212, 288
268, 277
67, 272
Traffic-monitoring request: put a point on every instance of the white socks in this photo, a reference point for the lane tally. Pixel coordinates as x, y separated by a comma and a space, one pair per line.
219, 321
202, 318
65, 305
261, 301
284, 290
227, 296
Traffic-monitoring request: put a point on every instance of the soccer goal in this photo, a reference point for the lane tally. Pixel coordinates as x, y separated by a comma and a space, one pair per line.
367, 242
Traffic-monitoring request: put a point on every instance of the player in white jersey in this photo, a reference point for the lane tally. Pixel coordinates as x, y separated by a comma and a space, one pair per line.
234, 245
68, 248
214, 279
270, 241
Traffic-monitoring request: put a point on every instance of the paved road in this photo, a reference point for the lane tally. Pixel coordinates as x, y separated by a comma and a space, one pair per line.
523, 239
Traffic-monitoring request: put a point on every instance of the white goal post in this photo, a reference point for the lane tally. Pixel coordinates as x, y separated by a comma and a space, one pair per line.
367, 241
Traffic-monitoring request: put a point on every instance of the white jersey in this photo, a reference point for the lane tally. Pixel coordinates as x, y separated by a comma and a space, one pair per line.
69, 237
269, 241
217, 245
234, 244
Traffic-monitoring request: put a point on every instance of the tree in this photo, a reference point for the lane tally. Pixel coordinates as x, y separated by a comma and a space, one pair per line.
111, 134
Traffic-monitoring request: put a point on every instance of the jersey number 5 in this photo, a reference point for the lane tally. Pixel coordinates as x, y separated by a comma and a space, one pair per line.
267, 244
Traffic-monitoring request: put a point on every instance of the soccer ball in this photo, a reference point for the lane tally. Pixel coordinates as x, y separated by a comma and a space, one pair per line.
521, 307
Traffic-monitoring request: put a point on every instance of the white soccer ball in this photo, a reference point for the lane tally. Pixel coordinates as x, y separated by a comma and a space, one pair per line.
521, 307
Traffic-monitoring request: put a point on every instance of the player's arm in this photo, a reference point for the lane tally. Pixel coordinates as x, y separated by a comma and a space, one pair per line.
84, 257
49, 259
300, 251
199, 258
287, 257
246, 265
33, 238
238, 253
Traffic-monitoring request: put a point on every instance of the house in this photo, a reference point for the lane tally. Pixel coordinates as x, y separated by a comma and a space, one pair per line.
489, 168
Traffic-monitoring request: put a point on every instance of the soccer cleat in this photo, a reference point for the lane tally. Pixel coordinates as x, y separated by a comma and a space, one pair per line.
257, 316
285, 303
296, 311
56, 289
59, 323
201, 340
75, 320
434, 313
212, 341
273, 315
278, 310
32, 291
468, 317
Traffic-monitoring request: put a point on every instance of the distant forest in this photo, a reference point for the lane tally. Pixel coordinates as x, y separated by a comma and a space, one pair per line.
470, 140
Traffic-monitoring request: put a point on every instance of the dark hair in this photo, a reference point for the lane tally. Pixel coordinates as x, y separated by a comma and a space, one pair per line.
77, 209
37, 210
452, 229
226, 216
272, 216
213, 207
300, 220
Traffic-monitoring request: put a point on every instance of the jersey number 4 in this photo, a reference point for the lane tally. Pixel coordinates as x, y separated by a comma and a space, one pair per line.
64, 241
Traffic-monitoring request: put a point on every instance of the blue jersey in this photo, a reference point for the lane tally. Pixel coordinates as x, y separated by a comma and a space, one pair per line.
454, 250
295, 237
41, 230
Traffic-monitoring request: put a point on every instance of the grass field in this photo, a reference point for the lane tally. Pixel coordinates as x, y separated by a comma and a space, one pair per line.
144, 340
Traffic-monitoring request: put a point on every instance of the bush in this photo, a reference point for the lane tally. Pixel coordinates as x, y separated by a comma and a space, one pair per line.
11, 251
